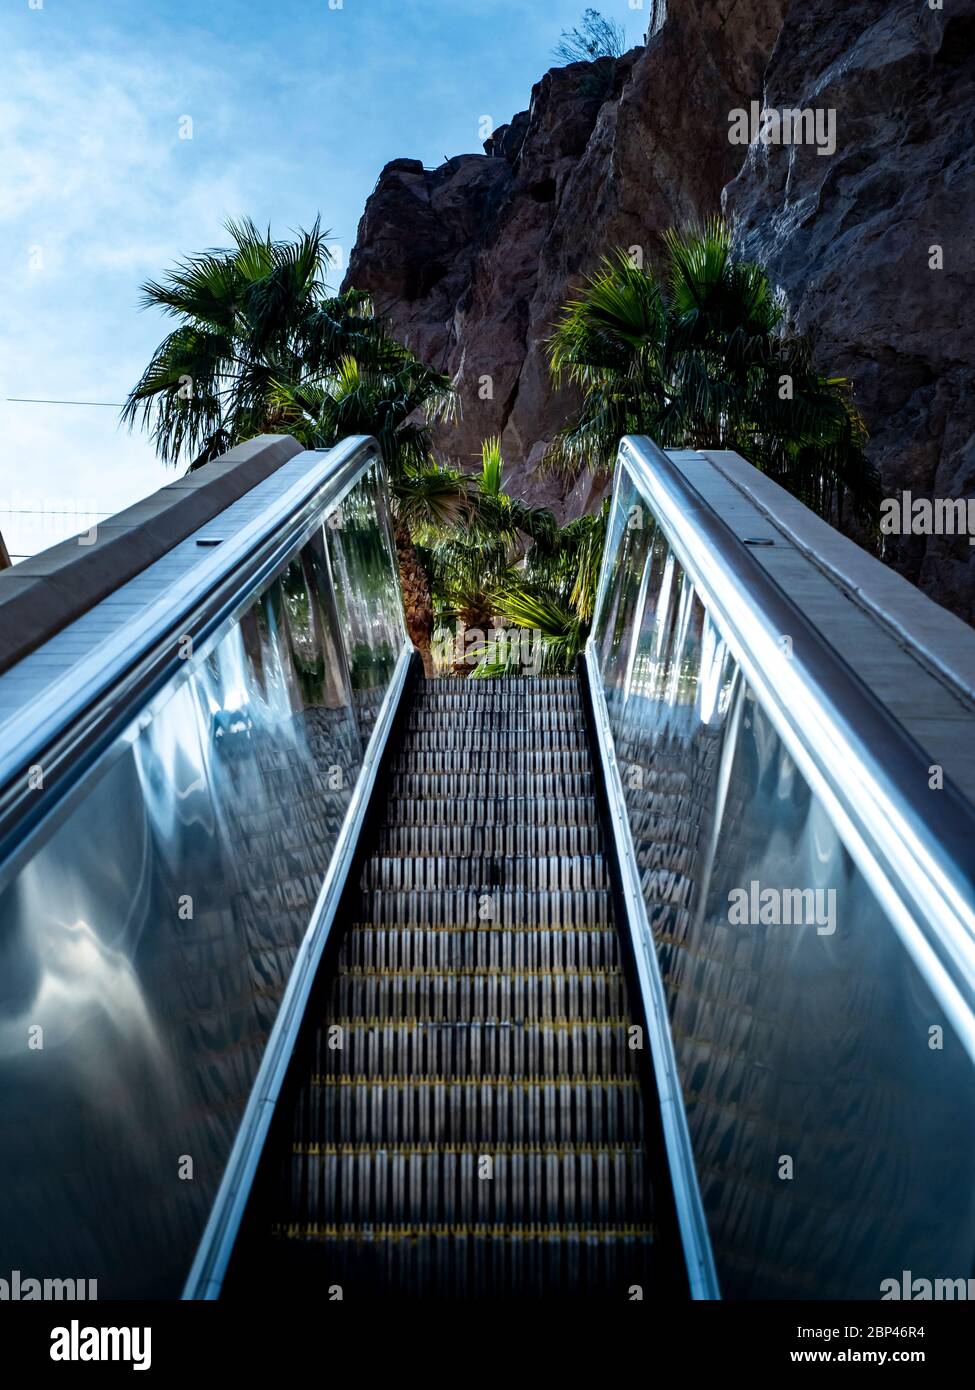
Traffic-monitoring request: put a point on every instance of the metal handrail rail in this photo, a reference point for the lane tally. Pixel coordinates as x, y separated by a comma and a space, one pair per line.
70, 730
65, 729
215, 1250
918, 853
862, 764
702, 1277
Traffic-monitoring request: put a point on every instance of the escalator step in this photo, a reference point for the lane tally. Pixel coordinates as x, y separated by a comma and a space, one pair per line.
506, 949
492, 906
446, 1185
489, 1049
468, 840
508, 762
538, 874
528, 723
474, 697
470, 737
458, 1263
472, 994
536, 686
468, 785
492, 810
425, 1110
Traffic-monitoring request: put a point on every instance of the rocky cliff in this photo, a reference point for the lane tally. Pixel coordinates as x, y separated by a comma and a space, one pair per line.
853, 240
473, 260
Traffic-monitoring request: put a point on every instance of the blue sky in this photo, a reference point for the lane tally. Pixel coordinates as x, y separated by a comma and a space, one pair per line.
295, 107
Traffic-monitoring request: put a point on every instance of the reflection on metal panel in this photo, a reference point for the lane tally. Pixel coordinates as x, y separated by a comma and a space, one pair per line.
148, 930
829, 1102
366, 579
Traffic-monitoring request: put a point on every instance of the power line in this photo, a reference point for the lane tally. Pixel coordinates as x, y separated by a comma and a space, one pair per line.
35, 400
44, 511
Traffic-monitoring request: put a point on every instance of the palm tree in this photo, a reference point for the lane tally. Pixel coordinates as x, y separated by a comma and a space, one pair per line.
387, 392
696, 358
246, 317
514, 563
469, 563
261, 345
553, 594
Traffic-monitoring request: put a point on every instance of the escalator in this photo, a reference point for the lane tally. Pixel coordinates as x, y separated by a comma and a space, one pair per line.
467, 1117
319, 977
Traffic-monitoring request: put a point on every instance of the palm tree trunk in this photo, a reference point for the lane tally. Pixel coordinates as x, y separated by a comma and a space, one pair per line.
417, 601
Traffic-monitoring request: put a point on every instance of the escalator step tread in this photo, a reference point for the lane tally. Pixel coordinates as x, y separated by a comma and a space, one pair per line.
528, 723
525, 761
448, 1184
475, 1049
469, 840
507, 811
473, 739
471, 785
466, 995
484, 1110
432, 872
489, 905
368, 947
472, 1262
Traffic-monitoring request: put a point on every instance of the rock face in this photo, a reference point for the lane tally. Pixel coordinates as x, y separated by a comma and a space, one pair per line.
473, 260
849, 238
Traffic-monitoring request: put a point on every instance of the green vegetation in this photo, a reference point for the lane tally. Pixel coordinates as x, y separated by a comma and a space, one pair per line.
594, 37
695, 357
261, 345
554, 594
469, 564
514, 566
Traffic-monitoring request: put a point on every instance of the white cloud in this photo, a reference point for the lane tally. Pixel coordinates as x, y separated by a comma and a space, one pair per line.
295, 109
98, 193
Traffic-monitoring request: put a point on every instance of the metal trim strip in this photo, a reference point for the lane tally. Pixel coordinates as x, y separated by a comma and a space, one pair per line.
855, 755
702, 1275
216, 1245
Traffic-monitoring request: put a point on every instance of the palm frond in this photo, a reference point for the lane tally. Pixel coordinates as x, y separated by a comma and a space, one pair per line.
558, 627
431, 498
492, 467
697, 359
266, 346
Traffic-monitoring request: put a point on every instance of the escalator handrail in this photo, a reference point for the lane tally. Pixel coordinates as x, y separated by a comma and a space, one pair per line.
142, 658
916, 852
847, 724
64, 729
216, 1246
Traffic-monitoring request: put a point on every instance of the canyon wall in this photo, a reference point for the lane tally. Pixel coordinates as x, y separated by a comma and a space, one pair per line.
853, 239
473, 260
